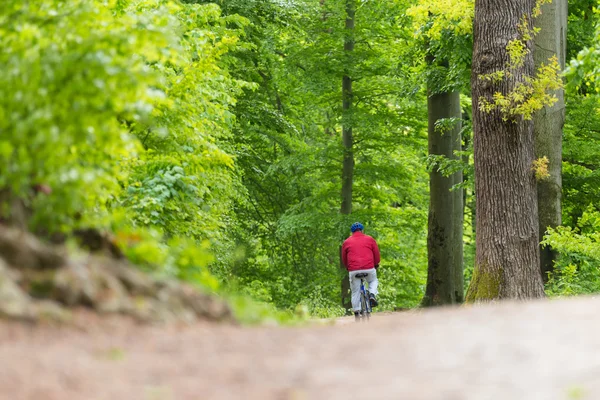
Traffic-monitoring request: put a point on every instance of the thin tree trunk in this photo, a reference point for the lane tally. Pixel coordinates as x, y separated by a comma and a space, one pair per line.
468, 202
548, 124
507, 253
458, 211
444, 238
348, 163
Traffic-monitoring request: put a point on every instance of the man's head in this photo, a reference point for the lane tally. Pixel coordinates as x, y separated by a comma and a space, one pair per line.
357, 226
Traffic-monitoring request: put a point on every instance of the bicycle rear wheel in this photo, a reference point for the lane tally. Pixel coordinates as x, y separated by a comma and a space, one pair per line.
364, 306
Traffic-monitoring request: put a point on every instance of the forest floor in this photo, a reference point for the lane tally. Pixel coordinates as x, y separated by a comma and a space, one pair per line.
537, 350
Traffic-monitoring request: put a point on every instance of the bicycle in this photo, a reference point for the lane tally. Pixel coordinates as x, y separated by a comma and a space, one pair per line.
365, 302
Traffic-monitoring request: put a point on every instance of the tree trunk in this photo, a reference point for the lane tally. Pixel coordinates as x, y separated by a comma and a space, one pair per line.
507, 253
444, 235
348, 163
548, 124
458, 211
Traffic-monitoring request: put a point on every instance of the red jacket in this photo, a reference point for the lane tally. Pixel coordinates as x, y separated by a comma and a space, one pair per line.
360, 251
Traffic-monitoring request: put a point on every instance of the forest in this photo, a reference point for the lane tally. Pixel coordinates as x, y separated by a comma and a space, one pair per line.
231, 144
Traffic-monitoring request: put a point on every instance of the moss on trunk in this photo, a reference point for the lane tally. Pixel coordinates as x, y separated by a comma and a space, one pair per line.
485, 284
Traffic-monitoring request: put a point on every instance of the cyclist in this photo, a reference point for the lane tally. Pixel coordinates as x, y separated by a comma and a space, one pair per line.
360, 254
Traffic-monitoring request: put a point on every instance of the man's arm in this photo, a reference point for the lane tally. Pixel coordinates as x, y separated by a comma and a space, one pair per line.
376, 255
345, 255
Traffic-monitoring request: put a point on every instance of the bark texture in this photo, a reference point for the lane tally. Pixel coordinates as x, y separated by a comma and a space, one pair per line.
548, 124
458, 211
348, 163
444, 235
507, 255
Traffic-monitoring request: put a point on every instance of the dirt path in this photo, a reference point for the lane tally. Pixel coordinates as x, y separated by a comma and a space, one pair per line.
543, 350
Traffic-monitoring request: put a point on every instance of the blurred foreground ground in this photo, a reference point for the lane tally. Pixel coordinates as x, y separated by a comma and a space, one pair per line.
540, 350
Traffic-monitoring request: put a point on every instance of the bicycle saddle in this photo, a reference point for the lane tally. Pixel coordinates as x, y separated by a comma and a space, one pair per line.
361, 275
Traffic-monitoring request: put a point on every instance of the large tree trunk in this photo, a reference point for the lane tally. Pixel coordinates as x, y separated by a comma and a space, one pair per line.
507, 253
348, 163
444, 235
548, 124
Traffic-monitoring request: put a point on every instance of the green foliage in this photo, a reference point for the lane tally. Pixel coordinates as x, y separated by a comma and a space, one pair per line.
288, 146
436, 18
526, 97
578, 263
185, 183
581, 157
250, 311
109, 95
73, 73
443, 33
581, 147
177, 257
578, 266
581, 22
318, 303
583, 71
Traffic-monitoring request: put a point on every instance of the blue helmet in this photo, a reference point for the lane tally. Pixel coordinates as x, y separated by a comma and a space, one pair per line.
357, 226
